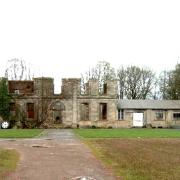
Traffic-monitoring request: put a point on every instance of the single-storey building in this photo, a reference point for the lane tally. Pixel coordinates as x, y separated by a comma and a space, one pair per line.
155, 113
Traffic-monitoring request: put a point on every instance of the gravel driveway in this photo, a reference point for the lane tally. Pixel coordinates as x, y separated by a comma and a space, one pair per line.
58, 155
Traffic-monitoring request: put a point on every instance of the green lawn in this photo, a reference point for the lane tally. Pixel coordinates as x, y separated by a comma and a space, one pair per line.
8, 161
19, 133
128, 133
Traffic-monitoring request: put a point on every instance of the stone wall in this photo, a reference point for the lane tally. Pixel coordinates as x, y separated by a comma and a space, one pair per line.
94, 99
21, 87
44, 87
69, 87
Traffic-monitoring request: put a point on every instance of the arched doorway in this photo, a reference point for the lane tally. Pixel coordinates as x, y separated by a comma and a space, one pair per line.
58, 112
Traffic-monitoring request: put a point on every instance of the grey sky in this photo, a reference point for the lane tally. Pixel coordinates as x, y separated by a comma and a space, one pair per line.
65, 38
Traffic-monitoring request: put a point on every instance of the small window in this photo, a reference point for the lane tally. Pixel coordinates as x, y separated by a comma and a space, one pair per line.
120, 114
12, 107
105, 89
30, 110
16, 91
176, 116
159, 115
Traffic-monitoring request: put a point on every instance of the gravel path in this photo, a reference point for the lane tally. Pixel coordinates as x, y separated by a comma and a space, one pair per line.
58, 155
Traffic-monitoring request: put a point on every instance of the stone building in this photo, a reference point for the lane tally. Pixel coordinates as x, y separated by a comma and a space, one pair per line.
38, 105
35, 104
153, 113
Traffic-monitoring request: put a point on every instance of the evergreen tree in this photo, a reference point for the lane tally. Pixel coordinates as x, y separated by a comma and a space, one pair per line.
4, 99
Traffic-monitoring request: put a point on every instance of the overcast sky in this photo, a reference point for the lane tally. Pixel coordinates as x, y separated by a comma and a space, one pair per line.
64, 38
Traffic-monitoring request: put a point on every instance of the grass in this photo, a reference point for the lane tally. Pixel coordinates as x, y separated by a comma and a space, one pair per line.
140, 159
19, 133
128, 133
8, 161
136, 154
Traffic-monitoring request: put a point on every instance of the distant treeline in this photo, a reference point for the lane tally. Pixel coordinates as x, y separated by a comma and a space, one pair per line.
135, 82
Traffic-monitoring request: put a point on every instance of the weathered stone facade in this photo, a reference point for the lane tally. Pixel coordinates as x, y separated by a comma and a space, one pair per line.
38, 106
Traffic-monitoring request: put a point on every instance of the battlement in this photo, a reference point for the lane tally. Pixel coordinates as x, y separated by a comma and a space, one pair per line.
44, 86
93, 88
70, 86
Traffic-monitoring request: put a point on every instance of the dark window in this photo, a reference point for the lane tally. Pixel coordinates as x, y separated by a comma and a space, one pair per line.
30, 110
176, 116
84, 111
12, 107
120, 114
28, 87
104, 88
103, 111
159, 115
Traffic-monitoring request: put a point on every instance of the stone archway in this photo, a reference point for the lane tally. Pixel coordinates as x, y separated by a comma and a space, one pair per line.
57, 112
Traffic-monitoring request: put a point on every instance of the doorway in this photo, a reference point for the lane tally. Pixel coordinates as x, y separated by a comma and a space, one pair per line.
58, 112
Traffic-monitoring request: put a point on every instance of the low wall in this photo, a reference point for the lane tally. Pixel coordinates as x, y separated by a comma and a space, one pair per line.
106, 124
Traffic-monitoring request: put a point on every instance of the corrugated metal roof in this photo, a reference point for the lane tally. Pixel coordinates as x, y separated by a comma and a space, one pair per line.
148, 104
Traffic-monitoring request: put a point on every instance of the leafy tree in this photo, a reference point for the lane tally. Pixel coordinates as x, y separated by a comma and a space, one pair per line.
4, 99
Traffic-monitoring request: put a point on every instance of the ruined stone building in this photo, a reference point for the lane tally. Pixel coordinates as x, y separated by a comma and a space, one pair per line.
37, 104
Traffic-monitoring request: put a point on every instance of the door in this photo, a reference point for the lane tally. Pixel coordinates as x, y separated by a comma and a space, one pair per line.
138, 119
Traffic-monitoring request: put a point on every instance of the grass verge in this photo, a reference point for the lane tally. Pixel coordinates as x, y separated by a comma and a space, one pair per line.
128, 133
19, 133
8, 162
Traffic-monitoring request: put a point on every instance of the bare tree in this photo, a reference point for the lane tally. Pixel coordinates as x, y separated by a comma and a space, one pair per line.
135, 82
172, 90
147, 83
121, 76
164, 79
156, 90
176, 83
18, 70
103, 71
